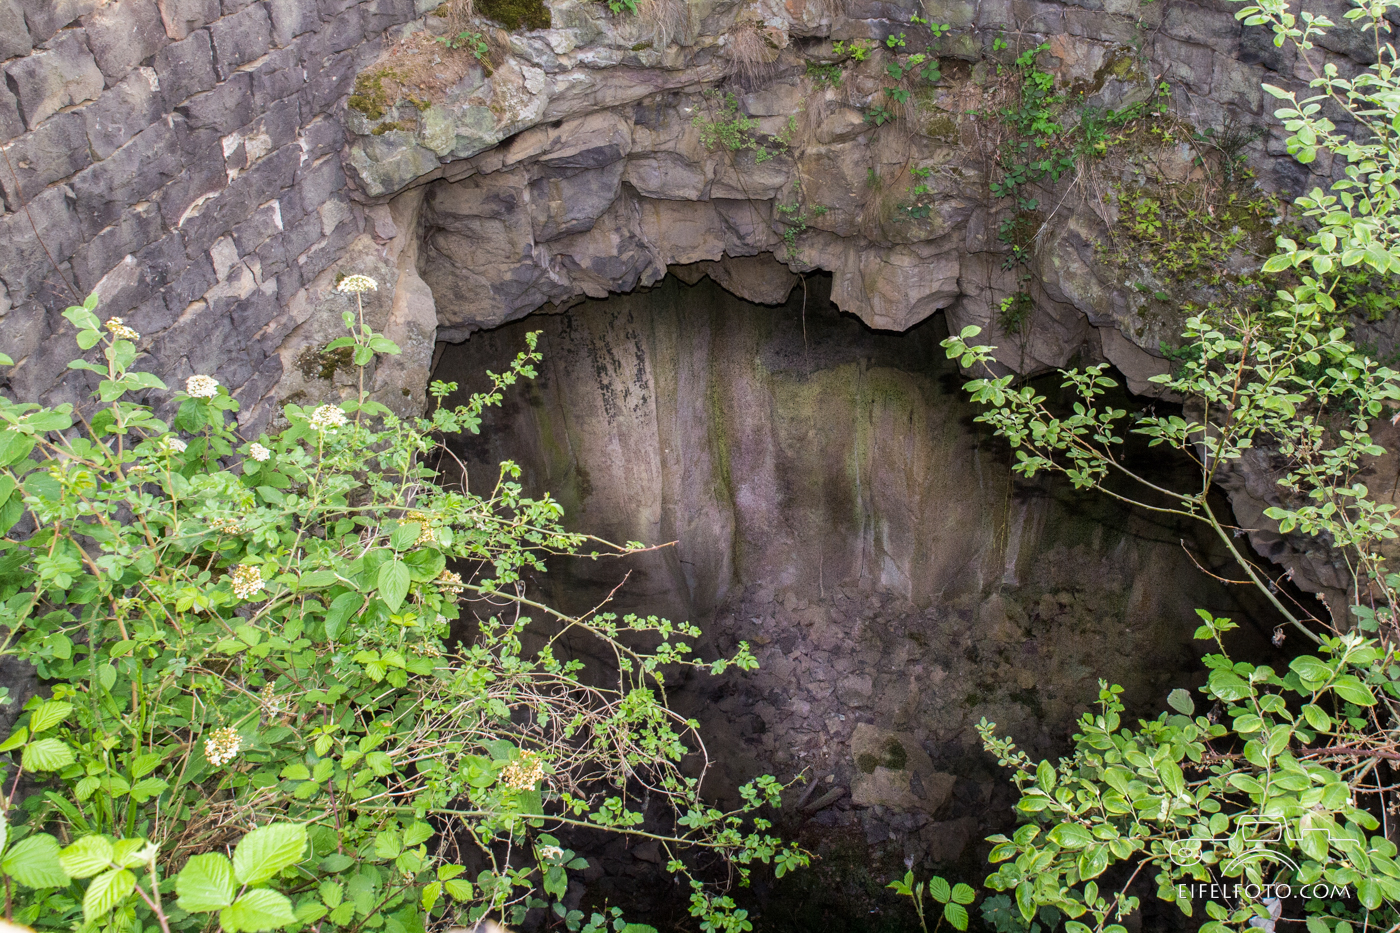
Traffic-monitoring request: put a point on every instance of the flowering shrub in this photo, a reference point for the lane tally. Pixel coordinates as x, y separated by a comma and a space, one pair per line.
250, 707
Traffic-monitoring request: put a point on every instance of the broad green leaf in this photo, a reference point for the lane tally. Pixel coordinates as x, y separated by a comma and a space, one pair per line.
258, 909
16, 739
1070, 836
267, 850
205, 883
34, 862
963, 894
340, 610
1352, 690
46, 755
404, 535
106, 891
1180, 700
1045, 776
938, 890
393, 583
956, 914
87, 856
1311, 669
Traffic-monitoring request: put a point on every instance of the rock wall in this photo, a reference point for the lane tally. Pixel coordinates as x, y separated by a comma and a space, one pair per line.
187, 160
182, 159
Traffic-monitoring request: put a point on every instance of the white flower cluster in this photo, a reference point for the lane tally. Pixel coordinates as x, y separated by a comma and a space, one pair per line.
523, 773
222, 746
355, 284
450, 582
327, 418
550, 852
259, 453
172, 444
119, 329
247, 581
202, 386
226, 525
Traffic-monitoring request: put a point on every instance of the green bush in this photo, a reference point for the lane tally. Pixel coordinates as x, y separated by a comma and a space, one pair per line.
1271, 782
242, 646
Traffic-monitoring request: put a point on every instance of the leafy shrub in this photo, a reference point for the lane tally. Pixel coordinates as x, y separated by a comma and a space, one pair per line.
244, 648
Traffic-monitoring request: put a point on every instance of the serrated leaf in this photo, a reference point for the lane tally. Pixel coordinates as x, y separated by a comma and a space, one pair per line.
340, 610
956, 914
34, 862
267, 850
459, 888
205, 883
49, 714
963, 894
106, 891
86, 857
938, 890
258, 909
46, 755
16, 739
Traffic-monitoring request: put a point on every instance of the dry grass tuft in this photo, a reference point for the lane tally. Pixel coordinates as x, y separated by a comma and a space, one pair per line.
752, 53
669, 20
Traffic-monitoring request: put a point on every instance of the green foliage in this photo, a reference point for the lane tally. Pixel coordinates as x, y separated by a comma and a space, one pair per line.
857, 49
250, 706
467, 39
729, 129
953, 899
1268, 777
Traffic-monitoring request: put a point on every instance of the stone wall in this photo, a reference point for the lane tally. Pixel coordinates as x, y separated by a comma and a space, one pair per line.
182, 159
188, 160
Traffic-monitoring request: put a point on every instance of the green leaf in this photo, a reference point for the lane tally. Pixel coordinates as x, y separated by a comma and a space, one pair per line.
938, 890
267, 850
205, 883
1352, 690
1070, 836
86, 857
956, 914
1180, 700
106, 891
1312, 670
34, 862
963, 894
342, 607
393, 583
459, 888
1045, 776
16, 739
82, 318
258, 909
46, 755
49, 714
404, 535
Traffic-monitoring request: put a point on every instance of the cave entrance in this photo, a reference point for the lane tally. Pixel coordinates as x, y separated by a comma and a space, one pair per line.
834, 504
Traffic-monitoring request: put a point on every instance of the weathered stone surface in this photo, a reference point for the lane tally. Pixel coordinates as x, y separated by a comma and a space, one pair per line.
46, 17
14, 34
240, 38
291, 18
56, 150
186, 68
11, 125
51, 79
123, 111
894, 771
182, 17
23, 261
124, 33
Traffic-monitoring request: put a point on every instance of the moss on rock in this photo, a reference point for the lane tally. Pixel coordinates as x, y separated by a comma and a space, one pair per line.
516, 14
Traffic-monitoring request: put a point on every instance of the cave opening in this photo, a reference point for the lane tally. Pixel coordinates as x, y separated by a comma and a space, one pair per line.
828, 498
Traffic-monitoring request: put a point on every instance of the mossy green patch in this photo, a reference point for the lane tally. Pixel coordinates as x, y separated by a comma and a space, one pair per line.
516, 14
